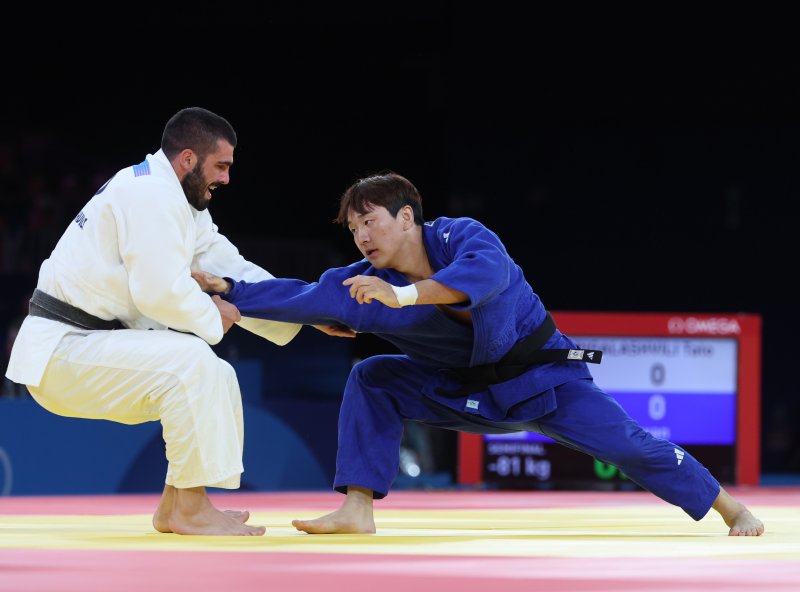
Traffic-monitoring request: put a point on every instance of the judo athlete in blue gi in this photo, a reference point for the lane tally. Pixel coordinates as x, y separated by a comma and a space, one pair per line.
480, 354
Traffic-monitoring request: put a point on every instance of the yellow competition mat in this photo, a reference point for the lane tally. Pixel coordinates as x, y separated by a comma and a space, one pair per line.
625, 541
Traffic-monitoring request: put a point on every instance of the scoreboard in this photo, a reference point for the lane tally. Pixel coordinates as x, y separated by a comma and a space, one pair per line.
693, 379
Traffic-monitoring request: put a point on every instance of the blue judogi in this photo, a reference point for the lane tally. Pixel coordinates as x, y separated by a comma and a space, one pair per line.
557, 399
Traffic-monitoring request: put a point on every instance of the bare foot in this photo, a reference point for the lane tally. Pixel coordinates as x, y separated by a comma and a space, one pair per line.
338, 522
212, 522
745, 524
353, 517
161, 520
738, 518
193, 513
161, 515
165, 506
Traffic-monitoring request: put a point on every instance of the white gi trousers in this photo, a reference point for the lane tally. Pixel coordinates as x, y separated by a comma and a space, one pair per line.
132, 376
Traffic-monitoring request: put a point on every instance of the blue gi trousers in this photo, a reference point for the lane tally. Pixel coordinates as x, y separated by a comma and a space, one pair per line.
384, 391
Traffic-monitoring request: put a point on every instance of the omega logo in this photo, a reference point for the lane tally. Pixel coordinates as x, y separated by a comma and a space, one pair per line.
709, 326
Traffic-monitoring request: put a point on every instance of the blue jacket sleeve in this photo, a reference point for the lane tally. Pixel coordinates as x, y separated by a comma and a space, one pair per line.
291, 300
477, 262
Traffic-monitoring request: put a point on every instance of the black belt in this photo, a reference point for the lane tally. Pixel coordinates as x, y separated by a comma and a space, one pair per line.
48, 307
518, 360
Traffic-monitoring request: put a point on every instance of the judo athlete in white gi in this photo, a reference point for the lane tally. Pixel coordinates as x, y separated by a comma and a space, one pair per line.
118, 330
479, 354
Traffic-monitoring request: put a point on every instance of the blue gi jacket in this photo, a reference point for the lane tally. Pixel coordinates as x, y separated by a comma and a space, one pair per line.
468, 257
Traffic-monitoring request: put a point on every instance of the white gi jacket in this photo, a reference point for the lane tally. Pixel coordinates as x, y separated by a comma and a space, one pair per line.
128, 256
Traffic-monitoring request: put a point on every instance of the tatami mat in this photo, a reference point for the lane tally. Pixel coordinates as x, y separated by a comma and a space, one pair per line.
550, 540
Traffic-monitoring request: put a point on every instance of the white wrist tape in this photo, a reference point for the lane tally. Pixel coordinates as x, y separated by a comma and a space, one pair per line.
406, 295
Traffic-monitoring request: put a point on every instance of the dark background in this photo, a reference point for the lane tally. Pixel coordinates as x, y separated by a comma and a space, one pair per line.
629, 161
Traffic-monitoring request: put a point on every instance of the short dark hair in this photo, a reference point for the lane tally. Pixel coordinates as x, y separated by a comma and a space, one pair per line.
390, 190
197, 129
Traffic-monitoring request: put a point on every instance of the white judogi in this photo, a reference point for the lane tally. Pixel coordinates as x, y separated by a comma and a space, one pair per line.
128, 256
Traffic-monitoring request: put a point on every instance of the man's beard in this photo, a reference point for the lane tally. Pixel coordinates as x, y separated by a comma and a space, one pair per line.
194, 186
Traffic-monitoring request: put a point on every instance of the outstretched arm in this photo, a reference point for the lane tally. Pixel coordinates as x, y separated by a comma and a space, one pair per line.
215, 253
366, 288
213, 284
